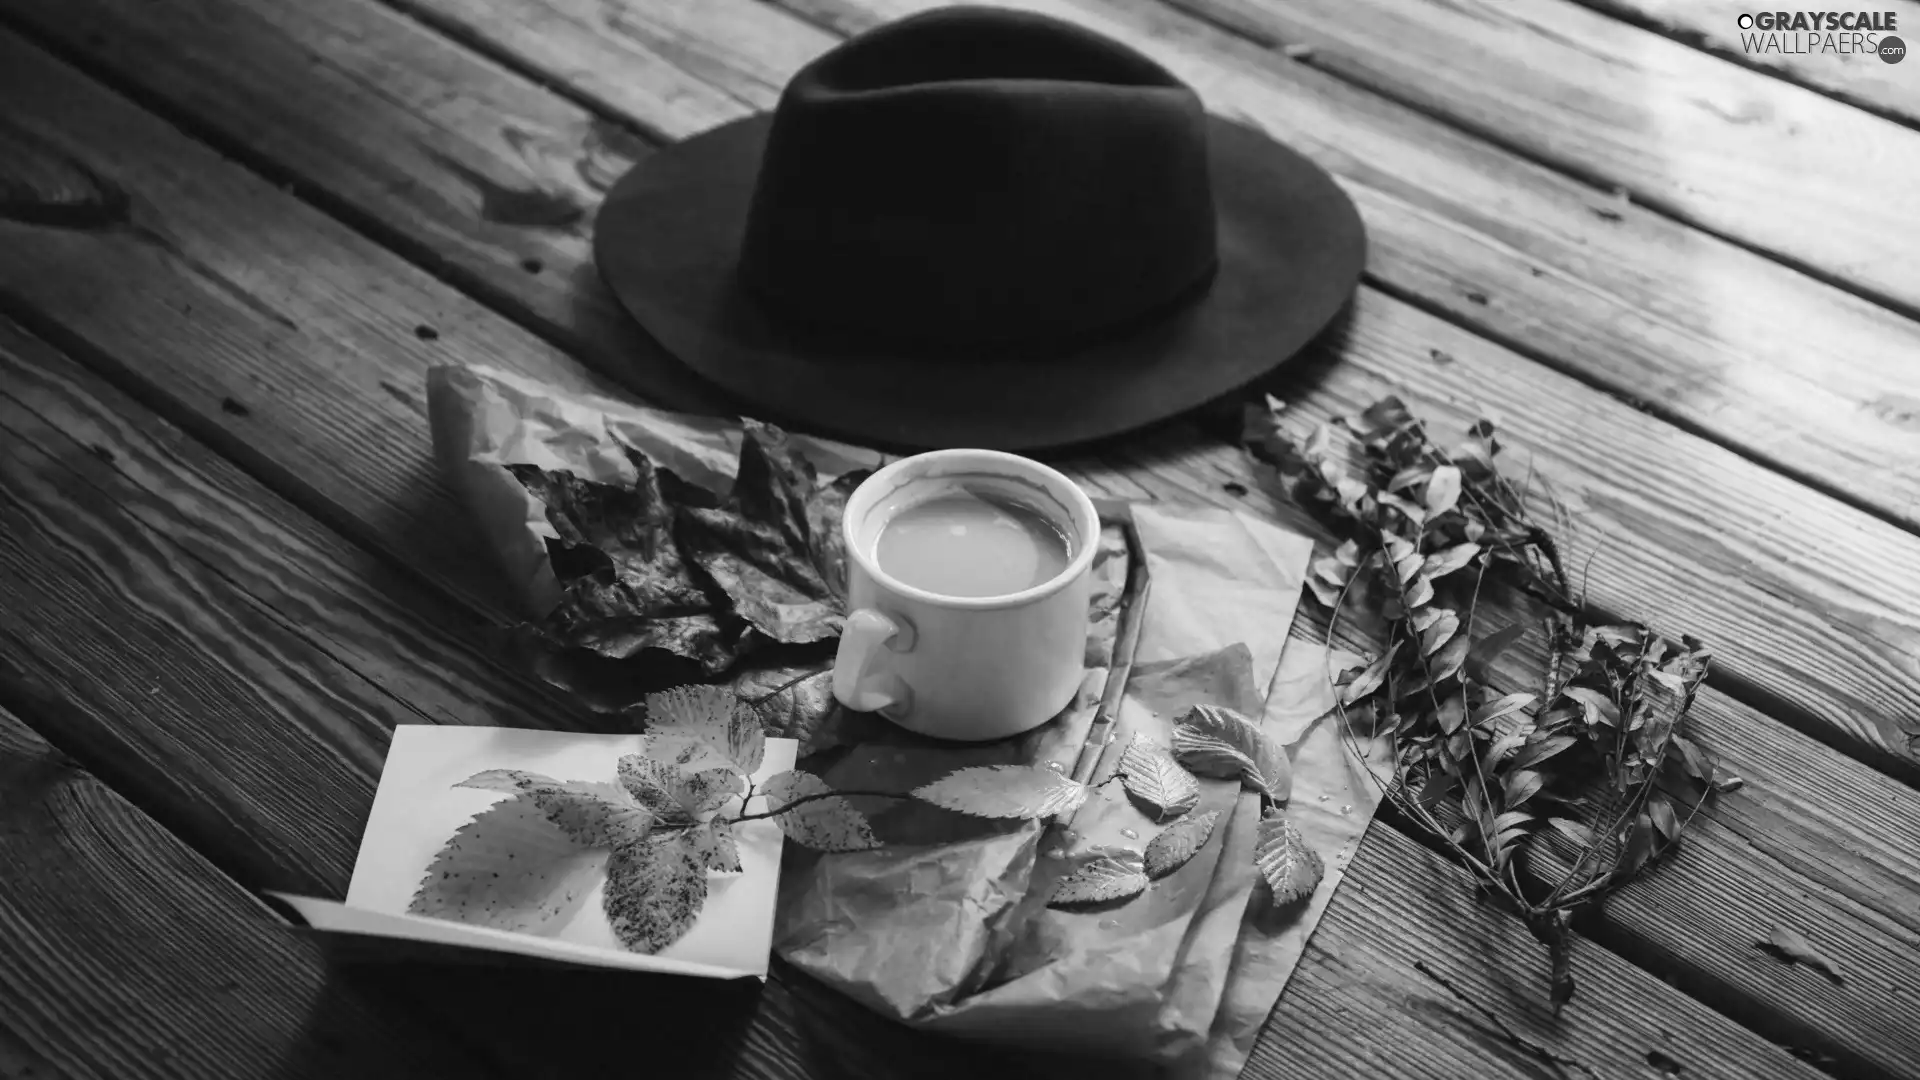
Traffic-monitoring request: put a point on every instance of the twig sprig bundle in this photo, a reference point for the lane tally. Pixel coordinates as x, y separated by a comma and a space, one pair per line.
1552, 783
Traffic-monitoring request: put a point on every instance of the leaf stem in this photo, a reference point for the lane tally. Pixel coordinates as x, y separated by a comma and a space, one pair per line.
815, 798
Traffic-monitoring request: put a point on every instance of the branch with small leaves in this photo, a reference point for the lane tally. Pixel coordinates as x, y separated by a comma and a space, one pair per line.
1582, 784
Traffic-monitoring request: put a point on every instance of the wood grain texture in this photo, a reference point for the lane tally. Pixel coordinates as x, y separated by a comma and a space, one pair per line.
1802, 376
127, 956
1758, 604
1861, 79
293, 790
1788, 371
1710, 560
1757, 159
410, 640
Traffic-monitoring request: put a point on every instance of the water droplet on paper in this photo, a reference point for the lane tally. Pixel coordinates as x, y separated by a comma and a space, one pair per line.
1070, 836
1130, 834
1056, 766
1324, 797
1108, 924
1346, 809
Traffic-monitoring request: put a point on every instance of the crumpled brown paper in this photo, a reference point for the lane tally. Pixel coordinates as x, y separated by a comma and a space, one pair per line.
946, 927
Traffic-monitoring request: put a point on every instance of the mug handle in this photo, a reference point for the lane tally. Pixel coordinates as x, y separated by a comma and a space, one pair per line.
865, 634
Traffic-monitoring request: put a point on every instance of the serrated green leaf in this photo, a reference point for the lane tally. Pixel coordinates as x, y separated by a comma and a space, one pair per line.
592, 813
1213, 740
654, 894
510, 868
712, 713
1438, 631
1005, 791
1178, 843
824, 821
1443, 489
1291, 868
1113, 874
674, 795
1152, 776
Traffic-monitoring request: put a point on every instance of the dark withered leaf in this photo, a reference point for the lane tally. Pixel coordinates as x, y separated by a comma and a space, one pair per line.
654, 893
1178, 843
774, 548
625, 587
1793, 947
1488, 649
790, 701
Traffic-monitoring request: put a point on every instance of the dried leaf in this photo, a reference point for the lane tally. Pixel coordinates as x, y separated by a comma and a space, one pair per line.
1438, 631
1794, 948
1488, 649
591, 813
1444, 562
1522, 785
654, 894
1730, 783
1152, 776
1177, 843
825, 822
625, 585
1579, 834
1536, 752
1495, 710
1419, 593
790, 702
510, 868
1005, 791
1216, 741
1443, 490
1370, 678
1114, 874
1446, 663
1291, 868
774, 549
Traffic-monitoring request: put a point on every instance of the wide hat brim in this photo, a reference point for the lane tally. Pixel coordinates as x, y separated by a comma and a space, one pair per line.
1291, 250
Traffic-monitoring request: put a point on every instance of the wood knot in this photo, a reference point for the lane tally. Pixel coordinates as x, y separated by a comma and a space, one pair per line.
42, 185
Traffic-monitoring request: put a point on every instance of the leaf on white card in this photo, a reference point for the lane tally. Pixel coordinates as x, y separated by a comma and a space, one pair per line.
653, 895
1112, 874
1216, 741
677, 797
1291, 868
815, 817
1179, 842
715, 714
1151, 775
1005, 791
510, 868
592, 813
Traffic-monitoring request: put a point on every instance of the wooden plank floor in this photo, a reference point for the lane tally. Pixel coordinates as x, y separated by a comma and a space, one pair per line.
304, 203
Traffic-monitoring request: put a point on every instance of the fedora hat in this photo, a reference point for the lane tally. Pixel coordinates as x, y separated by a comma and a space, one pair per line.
979, 227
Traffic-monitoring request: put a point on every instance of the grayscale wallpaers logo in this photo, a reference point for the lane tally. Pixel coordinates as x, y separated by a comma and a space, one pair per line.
1809, 33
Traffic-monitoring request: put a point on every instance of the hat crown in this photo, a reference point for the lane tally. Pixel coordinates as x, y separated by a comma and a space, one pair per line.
975, 177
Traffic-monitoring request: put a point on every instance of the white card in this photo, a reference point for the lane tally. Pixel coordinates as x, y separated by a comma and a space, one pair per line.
417, 809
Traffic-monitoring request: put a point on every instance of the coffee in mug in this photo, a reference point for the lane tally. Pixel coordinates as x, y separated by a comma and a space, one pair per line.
968, 578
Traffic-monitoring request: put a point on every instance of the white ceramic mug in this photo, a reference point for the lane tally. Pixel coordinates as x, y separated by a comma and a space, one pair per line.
964, 667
